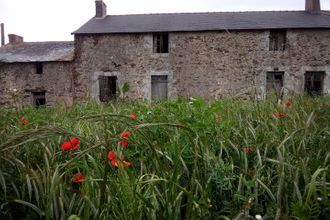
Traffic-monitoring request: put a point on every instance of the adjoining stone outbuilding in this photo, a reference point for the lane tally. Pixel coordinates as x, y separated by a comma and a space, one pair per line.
36, 73
157, 56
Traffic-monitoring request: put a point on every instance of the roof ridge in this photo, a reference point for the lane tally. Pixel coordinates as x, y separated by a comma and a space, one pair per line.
205, 21
48, 42
209, 12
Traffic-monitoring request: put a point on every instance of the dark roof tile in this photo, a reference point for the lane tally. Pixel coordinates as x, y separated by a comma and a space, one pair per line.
37, 52
175, 22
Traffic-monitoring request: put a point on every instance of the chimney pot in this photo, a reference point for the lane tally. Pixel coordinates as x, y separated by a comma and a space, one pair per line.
2, 34
15, 39
101, 9
313, 6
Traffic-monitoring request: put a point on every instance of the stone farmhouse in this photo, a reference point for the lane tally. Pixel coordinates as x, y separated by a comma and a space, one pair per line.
159, 56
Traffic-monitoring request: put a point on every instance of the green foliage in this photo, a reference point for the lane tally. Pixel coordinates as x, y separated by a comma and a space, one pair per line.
191, 159
126, 87
305, 211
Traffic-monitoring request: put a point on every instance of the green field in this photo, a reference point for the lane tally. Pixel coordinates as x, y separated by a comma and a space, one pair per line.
184, 159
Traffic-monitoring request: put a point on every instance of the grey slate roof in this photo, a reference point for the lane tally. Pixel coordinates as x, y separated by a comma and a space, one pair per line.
177, 22
37, 52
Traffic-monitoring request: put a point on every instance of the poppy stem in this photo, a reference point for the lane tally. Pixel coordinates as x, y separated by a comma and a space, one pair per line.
105, 179
106, 168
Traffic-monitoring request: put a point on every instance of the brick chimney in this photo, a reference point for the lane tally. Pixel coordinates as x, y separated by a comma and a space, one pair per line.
2, 34
15, 39
313, 6
101, 9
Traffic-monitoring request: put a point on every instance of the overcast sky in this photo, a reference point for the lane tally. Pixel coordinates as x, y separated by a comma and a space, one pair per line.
54, 20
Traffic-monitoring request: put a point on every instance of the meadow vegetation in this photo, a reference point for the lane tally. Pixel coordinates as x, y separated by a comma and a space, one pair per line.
177, 159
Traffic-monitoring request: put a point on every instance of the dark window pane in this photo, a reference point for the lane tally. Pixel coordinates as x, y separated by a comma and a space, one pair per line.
108, 86
278, 76
314, 82
39, 98
160, 42
39, 68
277, 40
165, 43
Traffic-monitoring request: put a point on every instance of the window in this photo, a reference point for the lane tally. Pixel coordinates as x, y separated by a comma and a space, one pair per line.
160, 42
277, 40
158, 87
39, 68
39, 98
314, 82
108, 86
275, 82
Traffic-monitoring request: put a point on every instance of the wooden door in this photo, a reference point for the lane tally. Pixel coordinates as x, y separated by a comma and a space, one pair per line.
275, 82
107, 88
159, 87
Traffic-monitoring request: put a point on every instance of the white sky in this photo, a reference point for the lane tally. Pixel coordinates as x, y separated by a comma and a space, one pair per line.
54, 20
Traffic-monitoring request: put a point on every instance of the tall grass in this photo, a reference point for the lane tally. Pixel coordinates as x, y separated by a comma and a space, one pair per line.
226, 159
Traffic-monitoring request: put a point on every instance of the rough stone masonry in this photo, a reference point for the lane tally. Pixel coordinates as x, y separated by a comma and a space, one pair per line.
208, 64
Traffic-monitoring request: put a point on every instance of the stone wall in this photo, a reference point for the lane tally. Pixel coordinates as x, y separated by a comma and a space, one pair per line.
207, 64
18, 80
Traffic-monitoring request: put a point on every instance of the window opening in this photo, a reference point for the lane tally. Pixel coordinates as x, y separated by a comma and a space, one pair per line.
314, 82
39, 68
108, 86
160, 43
39, 98
277, 40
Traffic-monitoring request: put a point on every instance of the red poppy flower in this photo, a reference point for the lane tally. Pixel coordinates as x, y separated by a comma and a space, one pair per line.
66, 146
67, 106
114, 162
112, 156
248, 149
78, 178
132, 116
123, 144
127, 163
22, 120
288, 103
279, 115
73, 144
218, 117
125, 135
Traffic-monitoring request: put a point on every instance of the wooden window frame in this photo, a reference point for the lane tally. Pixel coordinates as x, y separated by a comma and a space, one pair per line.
39, 98
277, 40
311, 79
161, 42
39, 68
